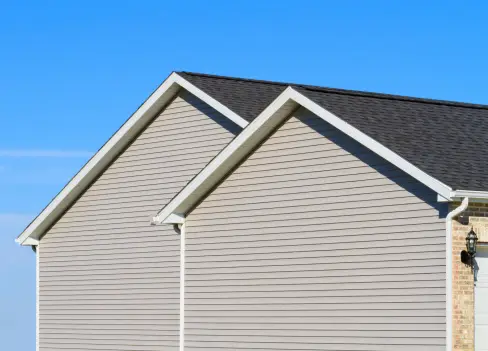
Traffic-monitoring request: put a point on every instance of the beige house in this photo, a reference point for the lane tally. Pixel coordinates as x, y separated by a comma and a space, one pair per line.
236, 214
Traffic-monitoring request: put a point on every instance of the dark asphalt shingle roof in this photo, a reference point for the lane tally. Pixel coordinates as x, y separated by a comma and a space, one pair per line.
447, 140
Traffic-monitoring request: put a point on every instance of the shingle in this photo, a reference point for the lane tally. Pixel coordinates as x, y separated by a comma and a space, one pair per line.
447, 140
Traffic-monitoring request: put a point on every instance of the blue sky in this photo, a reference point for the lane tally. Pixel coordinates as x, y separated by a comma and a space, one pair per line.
72, 73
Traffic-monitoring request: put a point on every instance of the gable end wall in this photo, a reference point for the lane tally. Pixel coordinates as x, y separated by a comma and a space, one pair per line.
316, 243
108, 279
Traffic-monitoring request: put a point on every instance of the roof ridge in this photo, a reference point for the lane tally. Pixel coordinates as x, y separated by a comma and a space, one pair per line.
348, 91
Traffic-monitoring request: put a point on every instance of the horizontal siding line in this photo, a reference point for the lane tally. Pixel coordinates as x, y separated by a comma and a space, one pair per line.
90, 326
156, 171
327, 208
149, 189
185, 153
167, 265
353, 201
257, 219
325, 150
303, 195
313, 161
181, 119
89, 273
184, 117
162, 155
157, 258
166, 133
162, 151
319, 181
312, 176
342, 259
437, 268
321, 173
265, 282
261, 224
215, 279
163, 128
196, 137
128, 250
389, 261
291, 159
358, 238
57, 239
294, 249
270, 331
149, 241
366, 225
376, 185
117, 170
174, 159
305, 162
153, 190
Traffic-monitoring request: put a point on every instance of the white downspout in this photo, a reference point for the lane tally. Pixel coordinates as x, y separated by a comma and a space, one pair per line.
449, 257
38, 251
182, 287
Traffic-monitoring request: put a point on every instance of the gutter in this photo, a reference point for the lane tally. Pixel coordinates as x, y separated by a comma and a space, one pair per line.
449, 257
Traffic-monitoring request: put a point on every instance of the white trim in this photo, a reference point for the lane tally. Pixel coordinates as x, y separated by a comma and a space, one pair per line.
449, 257
224, 161
113, 147
470, 194
182, 286
234, 117
38, 251
258, 129
31, 242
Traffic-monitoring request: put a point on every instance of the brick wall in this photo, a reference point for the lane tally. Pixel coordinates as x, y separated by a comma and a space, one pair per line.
475, 216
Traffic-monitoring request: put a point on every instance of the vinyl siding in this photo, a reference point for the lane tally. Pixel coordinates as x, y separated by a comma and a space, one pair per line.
315, 243
108, 279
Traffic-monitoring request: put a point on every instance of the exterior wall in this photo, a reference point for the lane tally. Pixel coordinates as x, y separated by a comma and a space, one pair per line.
475, 216
108, 279
315, 243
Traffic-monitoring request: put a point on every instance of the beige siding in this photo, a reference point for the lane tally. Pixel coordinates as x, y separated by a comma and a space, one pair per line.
109, 280
315, 243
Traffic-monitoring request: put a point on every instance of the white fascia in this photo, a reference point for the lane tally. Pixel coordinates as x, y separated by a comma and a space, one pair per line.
257, 130
144, 114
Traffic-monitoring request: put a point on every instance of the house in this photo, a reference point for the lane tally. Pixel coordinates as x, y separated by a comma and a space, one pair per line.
236, 214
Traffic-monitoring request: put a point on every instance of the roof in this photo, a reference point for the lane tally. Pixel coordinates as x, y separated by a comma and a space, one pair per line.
441, 143
448, 140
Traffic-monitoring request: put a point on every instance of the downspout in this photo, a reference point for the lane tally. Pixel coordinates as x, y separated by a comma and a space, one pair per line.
37, 251
181, 232
449, 257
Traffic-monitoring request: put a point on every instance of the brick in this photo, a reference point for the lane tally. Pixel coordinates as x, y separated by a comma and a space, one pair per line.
475, 216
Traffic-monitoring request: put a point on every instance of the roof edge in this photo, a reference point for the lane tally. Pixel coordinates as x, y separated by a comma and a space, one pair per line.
369, 94
112, 148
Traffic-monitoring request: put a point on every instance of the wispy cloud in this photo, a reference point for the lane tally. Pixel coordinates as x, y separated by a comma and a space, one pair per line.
45, 153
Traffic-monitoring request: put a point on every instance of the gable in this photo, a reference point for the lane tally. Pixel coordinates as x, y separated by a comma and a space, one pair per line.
307, 155
311, 233
104, 242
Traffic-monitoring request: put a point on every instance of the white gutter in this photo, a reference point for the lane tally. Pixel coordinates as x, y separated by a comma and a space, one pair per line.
469, 193
449, 257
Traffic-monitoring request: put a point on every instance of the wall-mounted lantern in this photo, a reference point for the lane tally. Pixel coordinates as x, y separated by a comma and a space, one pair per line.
468, 254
